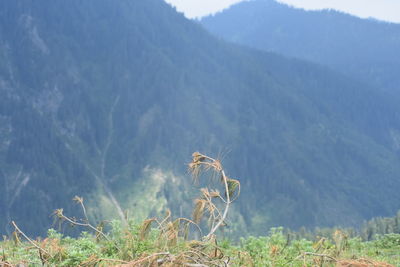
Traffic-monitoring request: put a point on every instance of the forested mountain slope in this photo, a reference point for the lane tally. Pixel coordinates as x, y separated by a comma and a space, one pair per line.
363, 48
107, 99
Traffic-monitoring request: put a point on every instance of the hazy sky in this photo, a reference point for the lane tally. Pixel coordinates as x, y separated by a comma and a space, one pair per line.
388, 10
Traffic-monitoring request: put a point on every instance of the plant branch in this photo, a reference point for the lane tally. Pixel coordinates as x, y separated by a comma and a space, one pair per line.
316, 255
228, 202
135, 263
28, 239
192, 222
63, 217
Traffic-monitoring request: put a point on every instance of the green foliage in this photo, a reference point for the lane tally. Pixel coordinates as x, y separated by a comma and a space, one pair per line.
125, 245
388, 241
78, 251
276, 249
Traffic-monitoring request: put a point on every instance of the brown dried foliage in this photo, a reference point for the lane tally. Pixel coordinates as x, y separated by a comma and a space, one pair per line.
206, 203
362, 263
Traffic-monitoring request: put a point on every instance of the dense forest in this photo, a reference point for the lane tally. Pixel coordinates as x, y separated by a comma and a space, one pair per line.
106, 99
365, 49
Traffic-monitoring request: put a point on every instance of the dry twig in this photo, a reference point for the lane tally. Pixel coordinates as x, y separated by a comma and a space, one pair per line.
28, 239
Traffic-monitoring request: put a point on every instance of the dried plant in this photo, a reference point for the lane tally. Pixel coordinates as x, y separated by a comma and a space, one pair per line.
169, 236
196, 253
340, 239
59, 213
206, 204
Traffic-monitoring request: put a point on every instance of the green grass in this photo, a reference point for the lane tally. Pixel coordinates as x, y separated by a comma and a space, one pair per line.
129, 244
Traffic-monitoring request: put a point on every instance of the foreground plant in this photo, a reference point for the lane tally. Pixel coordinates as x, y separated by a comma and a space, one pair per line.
167, 242
208, 197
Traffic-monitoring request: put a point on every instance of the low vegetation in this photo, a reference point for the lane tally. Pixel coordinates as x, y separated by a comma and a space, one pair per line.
193, 242
127, 247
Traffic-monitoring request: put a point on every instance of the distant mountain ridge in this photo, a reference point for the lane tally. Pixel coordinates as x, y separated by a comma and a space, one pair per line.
108, 99
363, 48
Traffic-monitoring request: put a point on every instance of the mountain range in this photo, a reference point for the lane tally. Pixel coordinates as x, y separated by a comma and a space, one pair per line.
365, 49
108, 99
